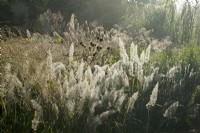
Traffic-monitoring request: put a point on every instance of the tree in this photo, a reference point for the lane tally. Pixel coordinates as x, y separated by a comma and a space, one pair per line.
107, 12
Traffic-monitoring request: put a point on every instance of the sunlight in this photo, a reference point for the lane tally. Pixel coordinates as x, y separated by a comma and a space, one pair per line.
100, 66
180, 3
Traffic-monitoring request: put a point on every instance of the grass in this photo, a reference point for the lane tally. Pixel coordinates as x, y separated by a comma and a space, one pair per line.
103, 88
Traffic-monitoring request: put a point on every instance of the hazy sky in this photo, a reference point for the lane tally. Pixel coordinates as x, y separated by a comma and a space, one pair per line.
181, 2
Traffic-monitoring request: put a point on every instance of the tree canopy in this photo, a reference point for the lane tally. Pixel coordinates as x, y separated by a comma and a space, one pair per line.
158, 15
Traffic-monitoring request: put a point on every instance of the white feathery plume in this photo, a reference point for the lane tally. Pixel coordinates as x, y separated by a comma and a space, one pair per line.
110, 98
140, 74
94, 81
136, 68
72, 80
136, 58
147, 53
155, 70
49, 65
123, 53
97, 120
120, 100
153, 97
12, 82
37, 106
7, 68
84, 92
93, 104
114, 74
79, 73
39, 69
170, 111
115, 78
37, 115
70, 106
71, 52
147, 80
133, 53
85, 88
65, 85
132, 101
25, 67
131, 69
95, 92
60, 89
106, 95
100, 69
191, 73
58, 68
116, 66
55, 109
142, 57
72, 22
100, 72
28, 33
71, 93
88, 74
77, 27
107, 82
172, 71
114, 95
103, 116
35, 123
125, 79
99, 75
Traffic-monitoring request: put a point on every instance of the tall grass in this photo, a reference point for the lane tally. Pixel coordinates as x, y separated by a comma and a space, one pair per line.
48, 89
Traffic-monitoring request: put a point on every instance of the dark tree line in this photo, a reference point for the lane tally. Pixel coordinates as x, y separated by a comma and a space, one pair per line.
161, 16
26, 12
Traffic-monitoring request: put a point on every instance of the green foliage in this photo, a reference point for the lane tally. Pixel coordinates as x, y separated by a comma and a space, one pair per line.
59, 114
164, 19
160, 16
94, 85
191, 55
186, 90
157, 22
186, 54
135, 17
106, 12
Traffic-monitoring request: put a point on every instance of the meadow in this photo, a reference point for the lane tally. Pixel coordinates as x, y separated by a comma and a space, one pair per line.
90, 80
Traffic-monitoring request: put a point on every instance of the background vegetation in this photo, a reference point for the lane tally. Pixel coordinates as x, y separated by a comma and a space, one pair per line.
162, 16
139, 72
